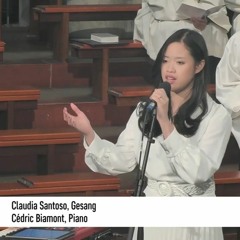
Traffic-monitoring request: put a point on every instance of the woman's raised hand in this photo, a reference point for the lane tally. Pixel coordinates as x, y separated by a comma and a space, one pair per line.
79, 121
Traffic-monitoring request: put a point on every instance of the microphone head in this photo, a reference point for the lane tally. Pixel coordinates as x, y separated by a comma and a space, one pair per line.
166, 86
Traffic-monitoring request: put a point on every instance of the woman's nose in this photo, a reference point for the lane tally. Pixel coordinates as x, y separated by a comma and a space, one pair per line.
170, 67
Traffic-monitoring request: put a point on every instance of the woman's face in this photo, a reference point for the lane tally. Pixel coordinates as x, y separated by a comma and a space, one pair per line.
178, 68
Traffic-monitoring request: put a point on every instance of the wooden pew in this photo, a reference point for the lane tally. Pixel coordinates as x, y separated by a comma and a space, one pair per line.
84, 183
2, 48
101, 56
131, 95
17, 107
44, 143
33, 27
227, 183
60, 16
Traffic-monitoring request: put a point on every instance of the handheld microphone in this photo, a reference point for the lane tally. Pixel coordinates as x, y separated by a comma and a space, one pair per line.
167, 87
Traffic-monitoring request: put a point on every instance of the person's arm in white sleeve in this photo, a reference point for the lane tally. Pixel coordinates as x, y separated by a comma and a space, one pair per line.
228, 76
109, 158
194, 161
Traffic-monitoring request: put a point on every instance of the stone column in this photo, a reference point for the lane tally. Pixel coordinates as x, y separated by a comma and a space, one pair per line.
24, 15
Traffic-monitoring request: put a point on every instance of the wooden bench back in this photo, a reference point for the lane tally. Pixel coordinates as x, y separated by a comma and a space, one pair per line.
60, 16
131, 95
228, 177
2, 47
88, 183
89, 8
16, 102
227, 183
33, 137
44, 145
19, 94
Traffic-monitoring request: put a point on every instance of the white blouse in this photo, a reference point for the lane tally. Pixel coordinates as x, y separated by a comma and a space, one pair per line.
174, 160
228, 82
176, 166
158, 19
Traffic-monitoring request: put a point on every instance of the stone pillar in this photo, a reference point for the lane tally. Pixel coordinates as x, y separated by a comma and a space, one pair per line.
24, 14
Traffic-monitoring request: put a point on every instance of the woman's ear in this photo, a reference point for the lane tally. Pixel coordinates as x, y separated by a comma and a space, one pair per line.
199, 67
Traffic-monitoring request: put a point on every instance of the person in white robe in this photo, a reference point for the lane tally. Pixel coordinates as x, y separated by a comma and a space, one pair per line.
234, 6
191, 133
158, 19
228, 82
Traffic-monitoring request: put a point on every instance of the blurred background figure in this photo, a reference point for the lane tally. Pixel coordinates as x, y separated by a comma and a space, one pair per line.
228, 82
158, 19
234, 6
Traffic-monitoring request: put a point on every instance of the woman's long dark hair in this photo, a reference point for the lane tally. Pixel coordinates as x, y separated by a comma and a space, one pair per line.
183, 120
